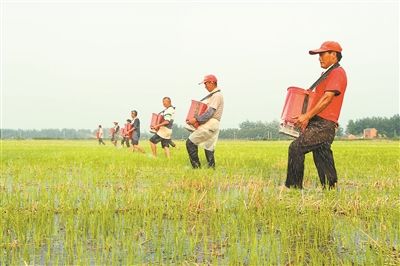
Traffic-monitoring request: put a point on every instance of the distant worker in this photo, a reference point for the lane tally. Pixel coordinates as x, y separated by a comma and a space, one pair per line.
134, 132
126, 137
207, 133
318, 125
115, 134
164, 129
99, 135
122, 135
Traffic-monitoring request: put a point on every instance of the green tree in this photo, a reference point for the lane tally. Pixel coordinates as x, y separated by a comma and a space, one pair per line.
389, 127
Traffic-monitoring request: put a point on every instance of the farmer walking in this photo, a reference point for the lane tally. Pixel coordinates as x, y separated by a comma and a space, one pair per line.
207, 133
99, 135
319, 124
135, 132
164, 129
115, 134
126, 137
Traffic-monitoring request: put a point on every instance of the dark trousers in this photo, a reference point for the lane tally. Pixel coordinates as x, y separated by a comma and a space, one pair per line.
193, 151
316, 138
125, 140
171, 143
101, 141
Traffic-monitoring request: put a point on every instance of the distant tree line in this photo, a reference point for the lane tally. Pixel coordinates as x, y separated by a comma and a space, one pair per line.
254, 131
247, 130
388, 127
65, 133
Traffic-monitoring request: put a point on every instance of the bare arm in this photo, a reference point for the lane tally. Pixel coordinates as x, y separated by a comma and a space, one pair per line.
302, 120
163, 123
131, 130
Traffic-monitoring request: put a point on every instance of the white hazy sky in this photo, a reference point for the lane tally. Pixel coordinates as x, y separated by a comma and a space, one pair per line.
77, 64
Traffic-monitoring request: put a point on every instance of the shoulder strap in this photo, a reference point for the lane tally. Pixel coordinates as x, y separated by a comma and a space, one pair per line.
163, 111
209, 95
323, 76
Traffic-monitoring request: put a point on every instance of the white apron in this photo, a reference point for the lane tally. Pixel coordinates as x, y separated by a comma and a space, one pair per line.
206, 135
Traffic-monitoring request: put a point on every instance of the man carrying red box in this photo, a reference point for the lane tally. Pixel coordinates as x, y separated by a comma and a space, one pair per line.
318, 124
164, 129
207, 133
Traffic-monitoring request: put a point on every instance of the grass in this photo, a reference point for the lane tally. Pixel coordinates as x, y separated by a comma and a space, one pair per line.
74, 202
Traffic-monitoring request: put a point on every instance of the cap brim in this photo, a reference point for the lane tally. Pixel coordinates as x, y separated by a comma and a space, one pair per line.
317, 51
202, 82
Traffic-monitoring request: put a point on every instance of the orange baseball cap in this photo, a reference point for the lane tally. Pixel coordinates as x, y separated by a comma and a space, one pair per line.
327, 46
211, 78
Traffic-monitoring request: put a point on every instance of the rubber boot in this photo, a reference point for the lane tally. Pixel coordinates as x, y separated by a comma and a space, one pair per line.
192, 150
210, 158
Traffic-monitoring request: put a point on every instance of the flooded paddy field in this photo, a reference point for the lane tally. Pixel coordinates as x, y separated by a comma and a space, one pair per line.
74, 202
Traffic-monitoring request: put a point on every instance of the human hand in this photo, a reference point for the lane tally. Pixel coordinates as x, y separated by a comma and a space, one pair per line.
191, 121
301, 121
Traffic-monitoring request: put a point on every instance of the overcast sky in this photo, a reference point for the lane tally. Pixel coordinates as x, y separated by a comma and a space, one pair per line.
77, 64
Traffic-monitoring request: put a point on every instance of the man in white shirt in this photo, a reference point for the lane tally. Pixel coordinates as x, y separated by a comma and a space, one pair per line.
164, 129
207, 133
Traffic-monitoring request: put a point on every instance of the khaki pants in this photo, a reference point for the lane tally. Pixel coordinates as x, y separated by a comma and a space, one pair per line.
206, 135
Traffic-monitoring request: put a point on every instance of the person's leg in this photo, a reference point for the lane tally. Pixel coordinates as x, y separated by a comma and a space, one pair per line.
165, 146
325, 163
172, 143
295, 167
117, 142
138, 148
135, 144
153, 144
316, 138
192, 150
309, 140
320, 165
210, 158
153, 149
323, 156
167, 152
114, 141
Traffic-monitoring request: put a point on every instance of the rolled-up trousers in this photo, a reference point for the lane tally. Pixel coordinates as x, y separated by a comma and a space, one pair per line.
316, 138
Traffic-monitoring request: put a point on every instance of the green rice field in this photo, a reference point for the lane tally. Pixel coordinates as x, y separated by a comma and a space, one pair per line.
75, 202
